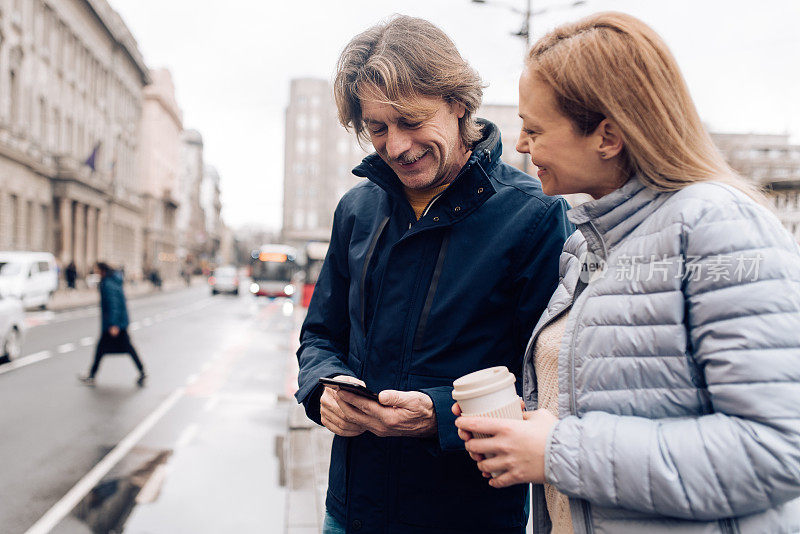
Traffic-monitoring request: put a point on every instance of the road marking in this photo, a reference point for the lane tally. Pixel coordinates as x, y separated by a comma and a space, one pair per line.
191, 380
63, 507
211, 404
134, 326
86, 341
206, 367
26, 360
187, 436
65, 348
147, 321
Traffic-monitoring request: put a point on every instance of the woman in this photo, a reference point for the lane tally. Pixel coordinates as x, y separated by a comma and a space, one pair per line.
666, 369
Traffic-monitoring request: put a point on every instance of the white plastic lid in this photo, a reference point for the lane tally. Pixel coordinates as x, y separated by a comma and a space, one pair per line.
482, 382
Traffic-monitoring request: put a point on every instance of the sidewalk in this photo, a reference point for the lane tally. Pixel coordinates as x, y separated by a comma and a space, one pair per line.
67, 299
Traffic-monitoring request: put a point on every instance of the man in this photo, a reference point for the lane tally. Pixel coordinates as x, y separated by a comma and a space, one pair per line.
114, 336
439, 265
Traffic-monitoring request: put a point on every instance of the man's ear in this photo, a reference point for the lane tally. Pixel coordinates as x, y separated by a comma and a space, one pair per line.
609, 137
458, 109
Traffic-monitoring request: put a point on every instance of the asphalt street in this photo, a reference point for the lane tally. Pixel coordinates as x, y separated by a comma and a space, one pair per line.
192, 451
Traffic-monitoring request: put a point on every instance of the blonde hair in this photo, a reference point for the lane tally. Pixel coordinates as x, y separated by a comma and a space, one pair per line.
612, 65
405, 58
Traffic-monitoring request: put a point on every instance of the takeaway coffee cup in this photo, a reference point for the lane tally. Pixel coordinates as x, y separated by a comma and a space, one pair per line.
488, 393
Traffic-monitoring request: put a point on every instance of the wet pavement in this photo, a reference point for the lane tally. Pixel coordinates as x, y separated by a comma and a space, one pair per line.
198, 450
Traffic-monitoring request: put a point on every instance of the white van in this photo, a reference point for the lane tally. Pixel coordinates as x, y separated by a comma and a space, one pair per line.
31, 277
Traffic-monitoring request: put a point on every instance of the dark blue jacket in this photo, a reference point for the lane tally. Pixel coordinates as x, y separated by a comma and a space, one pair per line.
412, 305
112, 302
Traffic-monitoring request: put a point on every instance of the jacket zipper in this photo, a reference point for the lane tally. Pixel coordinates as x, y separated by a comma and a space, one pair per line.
587, 518
426, 308
365, 269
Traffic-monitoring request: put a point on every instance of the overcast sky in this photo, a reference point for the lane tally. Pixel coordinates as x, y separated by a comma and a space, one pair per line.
232, 65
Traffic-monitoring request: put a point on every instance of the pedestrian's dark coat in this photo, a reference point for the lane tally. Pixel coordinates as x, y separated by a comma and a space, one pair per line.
412, 305
112, 302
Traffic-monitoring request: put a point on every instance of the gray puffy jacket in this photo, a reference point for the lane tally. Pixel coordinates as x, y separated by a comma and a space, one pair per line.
679, 371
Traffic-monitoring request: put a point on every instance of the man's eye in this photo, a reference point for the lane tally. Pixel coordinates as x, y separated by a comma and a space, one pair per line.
412, 125
528, 131
376, 130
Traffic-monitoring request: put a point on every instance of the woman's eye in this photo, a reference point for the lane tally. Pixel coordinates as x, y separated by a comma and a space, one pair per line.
376, 130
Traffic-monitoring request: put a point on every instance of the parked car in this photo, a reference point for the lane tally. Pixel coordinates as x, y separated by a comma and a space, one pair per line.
12, 327
32, 277
224, 280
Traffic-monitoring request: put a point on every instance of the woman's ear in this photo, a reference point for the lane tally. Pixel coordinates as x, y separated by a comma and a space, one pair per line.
609, 136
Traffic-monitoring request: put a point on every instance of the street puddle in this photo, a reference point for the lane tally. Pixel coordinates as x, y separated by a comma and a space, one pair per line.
137, 480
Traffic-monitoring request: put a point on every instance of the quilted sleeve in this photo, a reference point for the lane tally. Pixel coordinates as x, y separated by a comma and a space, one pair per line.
742, 312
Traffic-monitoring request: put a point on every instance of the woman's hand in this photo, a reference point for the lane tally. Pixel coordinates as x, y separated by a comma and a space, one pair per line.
515, 448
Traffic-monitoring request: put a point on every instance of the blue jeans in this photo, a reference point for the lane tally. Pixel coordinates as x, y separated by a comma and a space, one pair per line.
331, 525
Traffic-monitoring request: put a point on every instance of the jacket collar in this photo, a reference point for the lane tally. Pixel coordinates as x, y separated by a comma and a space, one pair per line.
614, 216
462, 196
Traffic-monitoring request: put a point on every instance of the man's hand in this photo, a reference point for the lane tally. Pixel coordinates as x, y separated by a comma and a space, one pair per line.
114, 331
399, 413
331, 414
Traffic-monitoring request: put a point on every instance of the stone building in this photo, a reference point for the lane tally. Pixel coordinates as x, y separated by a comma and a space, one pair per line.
773, 162
211, 205
71, 79
190, 220
319, 157
160, 167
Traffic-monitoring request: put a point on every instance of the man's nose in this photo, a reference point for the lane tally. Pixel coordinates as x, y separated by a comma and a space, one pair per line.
397, 142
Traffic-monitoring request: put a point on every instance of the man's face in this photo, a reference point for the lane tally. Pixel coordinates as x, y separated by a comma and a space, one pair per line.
424, 151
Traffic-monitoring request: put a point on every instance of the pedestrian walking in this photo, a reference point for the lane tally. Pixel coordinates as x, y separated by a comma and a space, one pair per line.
439, 264
114, 336
663, 380
71, 275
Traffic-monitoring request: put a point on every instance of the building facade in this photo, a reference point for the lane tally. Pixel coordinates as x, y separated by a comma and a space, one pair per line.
160, 167
319, 156
71, 80
211, 206
190, 220
773, 162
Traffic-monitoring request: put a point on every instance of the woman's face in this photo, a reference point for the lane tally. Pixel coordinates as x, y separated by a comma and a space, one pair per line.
567, 161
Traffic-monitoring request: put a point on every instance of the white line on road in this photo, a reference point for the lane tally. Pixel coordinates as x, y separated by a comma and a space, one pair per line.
191, 380
211, 404
63, 507
65, 348
187, 436
86, 341
134, 326
206, 367
26, 360
147, 321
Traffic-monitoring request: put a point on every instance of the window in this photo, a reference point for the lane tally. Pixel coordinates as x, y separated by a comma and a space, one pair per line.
42, 121
15, 222
29, 225
13, 93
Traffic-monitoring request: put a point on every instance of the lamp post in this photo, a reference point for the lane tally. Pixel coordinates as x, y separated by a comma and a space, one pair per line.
526, 30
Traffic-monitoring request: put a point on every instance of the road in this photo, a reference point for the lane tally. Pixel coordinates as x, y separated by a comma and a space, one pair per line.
140, 457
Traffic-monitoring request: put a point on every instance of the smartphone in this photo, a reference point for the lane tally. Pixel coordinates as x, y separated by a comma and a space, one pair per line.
358, 389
